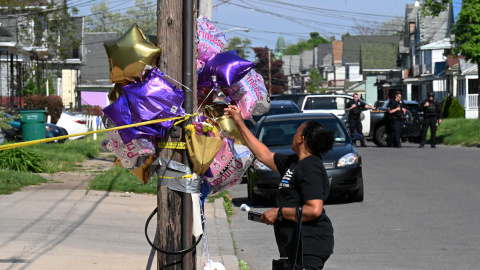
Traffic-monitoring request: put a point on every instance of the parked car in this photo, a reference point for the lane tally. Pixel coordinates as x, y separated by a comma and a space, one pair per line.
15, 133
277, 107
296, 98
343, 163
73, 124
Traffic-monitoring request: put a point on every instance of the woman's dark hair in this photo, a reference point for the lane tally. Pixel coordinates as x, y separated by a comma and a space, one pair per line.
317, 138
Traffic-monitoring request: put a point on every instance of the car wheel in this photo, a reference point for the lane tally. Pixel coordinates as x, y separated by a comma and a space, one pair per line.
358, 195
63, 140
380, 136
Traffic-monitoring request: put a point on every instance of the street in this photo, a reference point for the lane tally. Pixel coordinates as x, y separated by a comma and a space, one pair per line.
420, 212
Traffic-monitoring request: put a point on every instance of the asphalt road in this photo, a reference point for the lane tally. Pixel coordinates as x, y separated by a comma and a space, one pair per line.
421, 211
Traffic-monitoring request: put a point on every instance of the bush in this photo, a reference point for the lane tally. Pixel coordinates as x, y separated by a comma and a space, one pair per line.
21, 160
53, 104
453, 109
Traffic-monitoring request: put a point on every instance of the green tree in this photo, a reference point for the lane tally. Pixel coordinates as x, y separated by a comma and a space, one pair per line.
242, 45
314, 84
315, 39
434, 7
44, 25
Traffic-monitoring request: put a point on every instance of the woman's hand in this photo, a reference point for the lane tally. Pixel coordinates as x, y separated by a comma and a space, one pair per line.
234, 112
270, 216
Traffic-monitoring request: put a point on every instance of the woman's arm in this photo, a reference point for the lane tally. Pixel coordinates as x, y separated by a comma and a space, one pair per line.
312, 209
259, 150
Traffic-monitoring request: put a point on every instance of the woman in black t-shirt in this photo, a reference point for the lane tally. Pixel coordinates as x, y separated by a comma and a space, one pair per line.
304, 182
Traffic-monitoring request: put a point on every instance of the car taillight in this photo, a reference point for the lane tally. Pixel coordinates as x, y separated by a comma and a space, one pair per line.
82, 122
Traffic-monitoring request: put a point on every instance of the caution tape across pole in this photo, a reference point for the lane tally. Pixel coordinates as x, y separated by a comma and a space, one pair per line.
22, 144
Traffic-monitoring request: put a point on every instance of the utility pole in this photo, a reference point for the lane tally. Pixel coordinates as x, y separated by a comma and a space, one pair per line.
174, 216
269, 74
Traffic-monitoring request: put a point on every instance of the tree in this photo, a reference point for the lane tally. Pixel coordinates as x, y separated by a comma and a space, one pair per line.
391, 27
434, 7
279, 82
303, 45
144, 13
239, 44
314, 85
44, 25
103, 20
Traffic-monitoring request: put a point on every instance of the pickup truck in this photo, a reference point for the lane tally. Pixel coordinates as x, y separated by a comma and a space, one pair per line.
376, 128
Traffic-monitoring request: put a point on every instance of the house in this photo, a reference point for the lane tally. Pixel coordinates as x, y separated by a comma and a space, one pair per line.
94, 77
467, 87
426, 39
27, 64
352, 53
291, 70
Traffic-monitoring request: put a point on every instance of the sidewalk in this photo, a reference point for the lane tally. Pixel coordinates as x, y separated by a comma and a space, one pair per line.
58, 225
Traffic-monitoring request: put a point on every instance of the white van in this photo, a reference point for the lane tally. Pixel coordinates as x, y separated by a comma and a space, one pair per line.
333, 103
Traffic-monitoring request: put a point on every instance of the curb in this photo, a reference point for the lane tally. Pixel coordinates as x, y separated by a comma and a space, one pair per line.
220, 242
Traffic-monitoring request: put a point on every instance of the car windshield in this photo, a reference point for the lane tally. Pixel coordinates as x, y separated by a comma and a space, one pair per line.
282, 132
277, 110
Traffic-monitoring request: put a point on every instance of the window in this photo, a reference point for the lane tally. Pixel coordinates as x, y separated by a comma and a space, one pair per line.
325, 103
281, 133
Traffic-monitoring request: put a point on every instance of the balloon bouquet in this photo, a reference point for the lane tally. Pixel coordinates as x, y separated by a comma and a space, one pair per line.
142, 93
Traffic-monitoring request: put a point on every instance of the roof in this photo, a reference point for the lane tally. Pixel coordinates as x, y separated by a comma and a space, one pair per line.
437, 45
352, 44
378, 56
453, 61
324, 54
467, 67
97, 70
307, 60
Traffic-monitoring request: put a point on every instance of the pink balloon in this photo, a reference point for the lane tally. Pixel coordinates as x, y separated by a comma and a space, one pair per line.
229, 165
211, 40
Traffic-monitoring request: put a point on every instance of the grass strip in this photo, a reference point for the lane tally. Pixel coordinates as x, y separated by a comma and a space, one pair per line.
12, 181
464, 132
121, 180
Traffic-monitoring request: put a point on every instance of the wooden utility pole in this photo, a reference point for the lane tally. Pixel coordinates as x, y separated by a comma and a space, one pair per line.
269, 73
174, 216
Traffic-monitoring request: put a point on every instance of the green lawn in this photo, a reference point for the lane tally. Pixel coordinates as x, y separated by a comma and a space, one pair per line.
11, 181
121, 180
465, 132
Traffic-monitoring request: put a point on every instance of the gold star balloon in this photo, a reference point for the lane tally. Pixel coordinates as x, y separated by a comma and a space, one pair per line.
129, 54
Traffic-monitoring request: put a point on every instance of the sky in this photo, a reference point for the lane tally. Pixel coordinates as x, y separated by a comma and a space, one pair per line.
294, 20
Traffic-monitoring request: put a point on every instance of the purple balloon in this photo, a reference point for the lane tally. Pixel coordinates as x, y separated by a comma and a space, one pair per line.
119, 113
228, 67
154, 98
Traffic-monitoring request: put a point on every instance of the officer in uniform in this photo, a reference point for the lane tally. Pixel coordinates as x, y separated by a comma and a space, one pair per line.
354, 107
432, 116
396, 109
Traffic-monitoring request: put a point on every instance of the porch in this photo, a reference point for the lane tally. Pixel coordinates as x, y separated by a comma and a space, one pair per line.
470, 103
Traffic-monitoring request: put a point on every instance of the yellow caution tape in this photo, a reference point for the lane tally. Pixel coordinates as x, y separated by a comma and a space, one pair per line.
172, 145
21, 144
170, 177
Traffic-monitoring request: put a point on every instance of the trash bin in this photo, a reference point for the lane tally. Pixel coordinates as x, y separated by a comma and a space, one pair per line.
33, 124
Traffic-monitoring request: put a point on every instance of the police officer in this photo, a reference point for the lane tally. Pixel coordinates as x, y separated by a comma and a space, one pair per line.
355, 107
396, 109
432, 116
